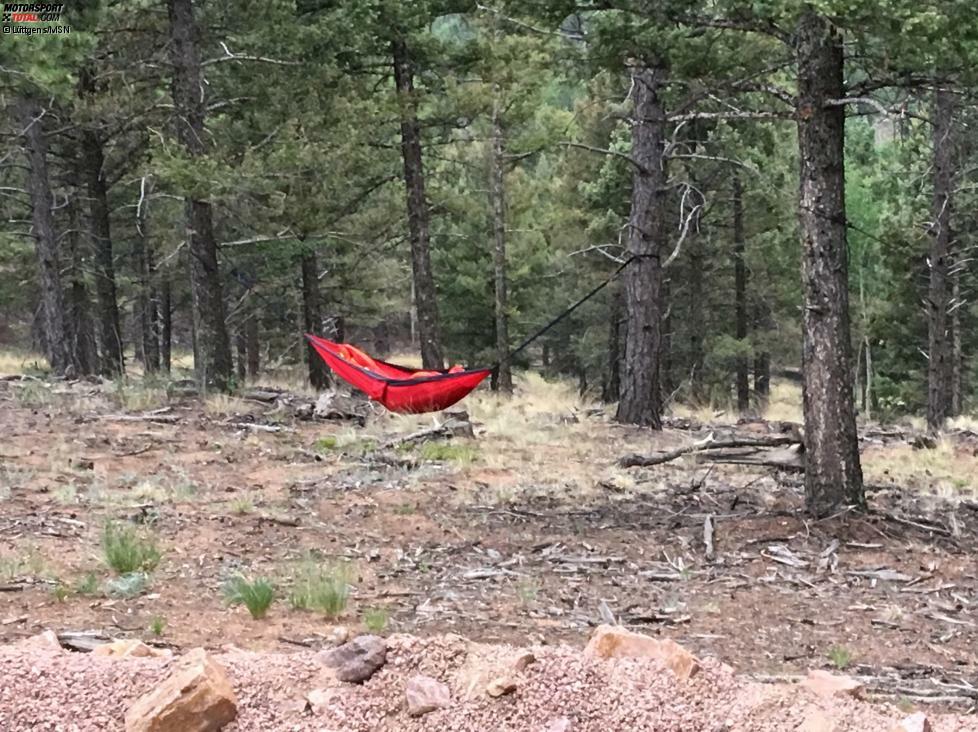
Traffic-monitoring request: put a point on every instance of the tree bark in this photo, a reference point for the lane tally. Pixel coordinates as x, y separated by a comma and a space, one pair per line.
740, 293
939, 368
166, 317
497, 203
146, 296
612, 383
833, 475
425, 295
56, 326
312, 319
84, 352
251, 346
212, 361
641, 400
93, 164
696, 329
241, 347
957, 349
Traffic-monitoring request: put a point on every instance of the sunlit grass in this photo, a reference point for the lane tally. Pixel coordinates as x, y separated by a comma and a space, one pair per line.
14, 361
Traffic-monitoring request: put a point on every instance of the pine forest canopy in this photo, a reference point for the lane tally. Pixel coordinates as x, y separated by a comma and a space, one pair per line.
443, 177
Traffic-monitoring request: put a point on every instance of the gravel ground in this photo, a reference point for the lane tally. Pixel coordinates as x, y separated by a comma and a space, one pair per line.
563, 691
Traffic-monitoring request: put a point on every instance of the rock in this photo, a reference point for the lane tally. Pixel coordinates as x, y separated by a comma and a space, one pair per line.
561, 724
827, 685
914, 723
357, 660
500, 686
319, 700
340, 635
817, 721
195, 697
522, 660
47, 640
612, 641
425, 694
129, 648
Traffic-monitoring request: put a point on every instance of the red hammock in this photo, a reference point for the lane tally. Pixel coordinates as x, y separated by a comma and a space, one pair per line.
399, 388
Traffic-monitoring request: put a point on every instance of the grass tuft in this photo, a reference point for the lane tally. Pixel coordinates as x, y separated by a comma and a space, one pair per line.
257, 595
325, 589
127, 550
443, 452
840, 656
375, 619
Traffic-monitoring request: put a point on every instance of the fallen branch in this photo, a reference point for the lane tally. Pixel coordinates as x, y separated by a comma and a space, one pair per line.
635, 460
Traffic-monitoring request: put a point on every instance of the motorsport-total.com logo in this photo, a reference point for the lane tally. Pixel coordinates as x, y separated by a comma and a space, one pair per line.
27, 18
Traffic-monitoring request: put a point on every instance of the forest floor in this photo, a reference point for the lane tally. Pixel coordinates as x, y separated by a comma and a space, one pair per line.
529, 533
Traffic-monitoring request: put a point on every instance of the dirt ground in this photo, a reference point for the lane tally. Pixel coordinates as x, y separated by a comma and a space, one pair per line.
530, 534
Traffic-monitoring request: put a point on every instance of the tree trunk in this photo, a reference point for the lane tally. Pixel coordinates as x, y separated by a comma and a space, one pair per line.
612, 383
56, 326
146, 299
497, 203
93, 163
166, 318
696, 327
833, 475
211, 335
740, 293
763, 322
84, 353
425, 296
241, 347
939, 369
641, 400
312, 319
957, 352
666, 383
251, 346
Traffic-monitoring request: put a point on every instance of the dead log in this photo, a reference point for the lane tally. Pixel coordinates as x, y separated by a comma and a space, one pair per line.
636, 460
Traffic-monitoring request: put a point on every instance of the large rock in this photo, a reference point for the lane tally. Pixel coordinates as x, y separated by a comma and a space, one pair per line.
129, 648
195, 697
331, 405
425, 694
612, 641
357, 660
827, 685
914, 723
44, 641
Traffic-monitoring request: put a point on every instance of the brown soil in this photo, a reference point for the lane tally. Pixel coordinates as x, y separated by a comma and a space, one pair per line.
530, 542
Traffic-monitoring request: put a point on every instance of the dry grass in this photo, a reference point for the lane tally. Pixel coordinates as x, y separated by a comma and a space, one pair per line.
14, 361
943, 470
784, 403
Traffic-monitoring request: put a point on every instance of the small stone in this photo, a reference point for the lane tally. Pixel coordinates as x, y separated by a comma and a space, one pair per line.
48, 640
816, 721
357, 660
319, 700
425, 694
195, 697
917, 722
500, 686
522, 660
129, 648
340, 635
827, 685
561, 724
612, 641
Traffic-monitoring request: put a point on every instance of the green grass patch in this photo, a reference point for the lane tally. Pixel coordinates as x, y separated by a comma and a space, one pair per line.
449, 452
255, 594
375, 619
127, 550
324, 589
840, 656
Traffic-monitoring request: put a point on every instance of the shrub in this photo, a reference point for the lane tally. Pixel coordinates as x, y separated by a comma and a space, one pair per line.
127, 550
375, 619
458, 453
257, 595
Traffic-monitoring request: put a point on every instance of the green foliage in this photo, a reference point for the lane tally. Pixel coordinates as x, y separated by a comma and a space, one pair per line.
130, 584
840, 656
255, 594
321, 588
127, 550
449, 452
375, 619
157, 625
87, 585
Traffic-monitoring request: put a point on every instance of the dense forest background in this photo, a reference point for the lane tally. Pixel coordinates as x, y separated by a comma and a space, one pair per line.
444, 177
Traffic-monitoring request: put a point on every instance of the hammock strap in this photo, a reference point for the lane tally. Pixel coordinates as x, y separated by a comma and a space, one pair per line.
574, 307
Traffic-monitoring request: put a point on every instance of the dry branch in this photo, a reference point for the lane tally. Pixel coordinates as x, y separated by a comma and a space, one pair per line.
636, 460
